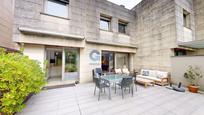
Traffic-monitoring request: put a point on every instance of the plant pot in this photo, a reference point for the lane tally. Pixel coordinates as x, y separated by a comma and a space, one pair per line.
71, 75
193, 89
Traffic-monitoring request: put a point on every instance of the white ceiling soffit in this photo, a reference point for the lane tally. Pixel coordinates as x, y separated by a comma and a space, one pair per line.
198, 44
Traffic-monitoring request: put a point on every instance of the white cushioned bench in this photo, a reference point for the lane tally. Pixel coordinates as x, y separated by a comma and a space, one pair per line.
159, 77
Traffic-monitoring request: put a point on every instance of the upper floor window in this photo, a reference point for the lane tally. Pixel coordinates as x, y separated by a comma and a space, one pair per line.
122, 26
105, 23
57, 7
186, 19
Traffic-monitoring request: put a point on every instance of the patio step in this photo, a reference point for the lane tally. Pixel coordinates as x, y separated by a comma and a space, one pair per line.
58, 86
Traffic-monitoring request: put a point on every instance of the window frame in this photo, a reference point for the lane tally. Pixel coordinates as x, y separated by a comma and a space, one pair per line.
186, 19
180, 52
105, 19
125, 24
62, 1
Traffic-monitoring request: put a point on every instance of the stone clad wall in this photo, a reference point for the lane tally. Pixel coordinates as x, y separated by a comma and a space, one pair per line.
156, 35
182, 34
197, 52
159, 27
6, 19
96, 7
83, 19
30, 13
199, 18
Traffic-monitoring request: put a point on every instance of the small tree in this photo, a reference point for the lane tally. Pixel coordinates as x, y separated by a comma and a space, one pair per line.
19, 76
193, 74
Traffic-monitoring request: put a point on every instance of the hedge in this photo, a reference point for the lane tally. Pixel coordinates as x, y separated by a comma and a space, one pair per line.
19, 77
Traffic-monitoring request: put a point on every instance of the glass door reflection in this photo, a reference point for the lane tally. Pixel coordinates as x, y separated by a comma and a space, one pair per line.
71, 64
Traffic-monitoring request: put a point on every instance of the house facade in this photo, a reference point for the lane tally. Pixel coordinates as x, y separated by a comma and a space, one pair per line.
75, 36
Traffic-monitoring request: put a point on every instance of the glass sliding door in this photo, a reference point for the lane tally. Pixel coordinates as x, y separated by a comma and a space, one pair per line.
121, 60
71, 66
112, 60
54, 64
107, 61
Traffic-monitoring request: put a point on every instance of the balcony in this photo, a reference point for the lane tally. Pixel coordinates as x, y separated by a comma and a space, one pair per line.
115, 39
187, 35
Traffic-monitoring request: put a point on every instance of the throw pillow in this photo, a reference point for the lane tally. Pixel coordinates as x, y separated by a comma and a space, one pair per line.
145, 73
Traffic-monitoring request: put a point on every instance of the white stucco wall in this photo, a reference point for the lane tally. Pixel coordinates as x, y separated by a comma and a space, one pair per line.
35, 52
180, 65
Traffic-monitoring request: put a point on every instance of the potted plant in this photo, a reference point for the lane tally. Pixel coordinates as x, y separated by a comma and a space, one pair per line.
71, 71
70, 68
193, 74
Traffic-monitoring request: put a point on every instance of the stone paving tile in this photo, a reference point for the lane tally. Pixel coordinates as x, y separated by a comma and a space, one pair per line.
80, 100
42, 107
198, 111
156, 111
64, 112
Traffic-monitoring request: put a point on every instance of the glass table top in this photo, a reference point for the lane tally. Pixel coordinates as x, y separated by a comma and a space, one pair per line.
114, 77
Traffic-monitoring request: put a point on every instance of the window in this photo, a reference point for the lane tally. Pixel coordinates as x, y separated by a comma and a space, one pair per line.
122, 27
105, 23
180, 52
186, 19
57, 7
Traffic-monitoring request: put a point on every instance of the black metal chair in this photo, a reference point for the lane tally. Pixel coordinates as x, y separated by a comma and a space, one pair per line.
101, 84
134, 76
126, 82
97, 72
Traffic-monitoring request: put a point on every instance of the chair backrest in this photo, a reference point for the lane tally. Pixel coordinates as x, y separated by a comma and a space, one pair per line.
97, 72
118, 71
126, 82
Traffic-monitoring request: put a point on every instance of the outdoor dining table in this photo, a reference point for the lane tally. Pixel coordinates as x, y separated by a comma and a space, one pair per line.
114, 78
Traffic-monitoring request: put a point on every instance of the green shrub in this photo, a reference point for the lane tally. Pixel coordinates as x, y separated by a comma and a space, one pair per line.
19, 76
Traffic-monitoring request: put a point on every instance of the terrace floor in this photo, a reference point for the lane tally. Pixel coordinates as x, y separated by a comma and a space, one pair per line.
80, 100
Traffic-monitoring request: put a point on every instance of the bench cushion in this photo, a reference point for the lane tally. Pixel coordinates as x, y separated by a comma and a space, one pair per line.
157, 76
161, 74
153, 73
149, 77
